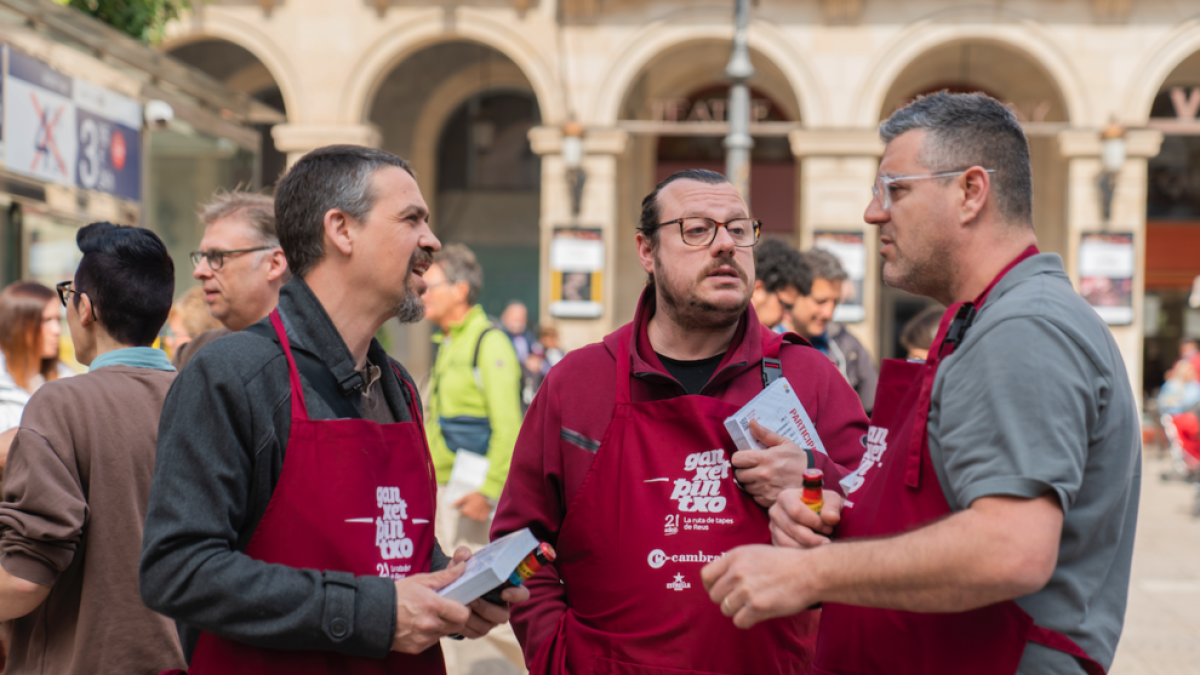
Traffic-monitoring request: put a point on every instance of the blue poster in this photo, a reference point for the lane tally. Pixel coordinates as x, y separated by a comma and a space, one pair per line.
110, 157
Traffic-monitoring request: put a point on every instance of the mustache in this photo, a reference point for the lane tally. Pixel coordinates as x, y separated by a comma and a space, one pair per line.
420, 255
725, 262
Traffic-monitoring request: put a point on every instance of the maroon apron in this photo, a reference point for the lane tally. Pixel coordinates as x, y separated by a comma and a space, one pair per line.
896, 489
353, 496
658, 503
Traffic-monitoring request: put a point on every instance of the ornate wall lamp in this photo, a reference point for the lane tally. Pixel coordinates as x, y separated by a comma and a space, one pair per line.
1112, 158
572, 156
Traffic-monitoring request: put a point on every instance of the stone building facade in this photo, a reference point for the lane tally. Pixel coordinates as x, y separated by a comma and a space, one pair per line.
477, 92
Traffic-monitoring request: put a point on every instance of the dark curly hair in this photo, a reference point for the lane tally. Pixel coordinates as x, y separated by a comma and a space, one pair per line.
778, 266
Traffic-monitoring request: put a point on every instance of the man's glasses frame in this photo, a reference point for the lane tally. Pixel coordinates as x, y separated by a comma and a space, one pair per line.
216, 257
64, 291
693, 232
883, 184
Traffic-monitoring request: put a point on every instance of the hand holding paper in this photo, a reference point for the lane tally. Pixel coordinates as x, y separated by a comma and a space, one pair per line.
766, 473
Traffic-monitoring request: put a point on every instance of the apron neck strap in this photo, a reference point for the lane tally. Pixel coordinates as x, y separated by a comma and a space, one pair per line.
624, 365
299, 409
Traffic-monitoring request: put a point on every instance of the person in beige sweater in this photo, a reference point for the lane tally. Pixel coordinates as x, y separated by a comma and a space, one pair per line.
78, 477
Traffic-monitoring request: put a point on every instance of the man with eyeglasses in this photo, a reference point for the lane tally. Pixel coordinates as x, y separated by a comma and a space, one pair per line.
79, 474
989, 529
240, 265
780, 274
625, 466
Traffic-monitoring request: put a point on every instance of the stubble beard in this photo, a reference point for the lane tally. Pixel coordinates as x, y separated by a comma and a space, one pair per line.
689, 311
412, 309
931, 272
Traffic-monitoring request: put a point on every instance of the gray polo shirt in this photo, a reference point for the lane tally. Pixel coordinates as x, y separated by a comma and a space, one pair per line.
1036, 400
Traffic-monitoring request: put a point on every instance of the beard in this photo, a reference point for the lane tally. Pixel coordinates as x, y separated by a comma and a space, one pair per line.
681, 303
412, 309
927, 270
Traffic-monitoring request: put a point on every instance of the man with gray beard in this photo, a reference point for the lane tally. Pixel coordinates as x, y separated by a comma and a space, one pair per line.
624, 464
291, 515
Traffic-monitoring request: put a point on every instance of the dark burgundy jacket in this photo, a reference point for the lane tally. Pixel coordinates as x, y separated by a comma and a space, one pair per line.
573, 408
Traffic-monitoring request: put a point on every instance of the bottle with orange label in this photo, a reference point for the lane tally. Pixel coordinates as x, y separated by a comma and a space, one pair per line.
813, 494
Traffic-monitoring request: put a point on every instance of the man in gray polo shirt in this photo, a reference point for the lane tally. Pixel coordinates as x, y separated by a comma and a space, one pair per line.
990, 525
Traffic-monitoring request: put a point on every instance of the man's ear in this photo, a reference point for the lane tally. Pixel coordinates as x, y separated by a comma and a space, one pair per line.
87, 313
976, 186
645, 252
339, 230
276, 264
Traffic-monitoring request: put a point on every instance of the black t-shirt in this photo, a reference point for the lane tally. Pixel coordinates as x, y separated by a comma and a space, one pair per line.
693, 375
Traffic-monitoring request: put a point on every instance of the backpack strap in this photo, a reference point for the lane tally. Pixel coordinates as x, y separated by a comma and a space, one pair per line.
475, 361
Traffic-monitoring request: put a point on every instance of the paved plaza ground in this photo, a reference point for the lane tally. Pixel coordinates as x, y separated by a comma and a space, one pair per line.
1162, 626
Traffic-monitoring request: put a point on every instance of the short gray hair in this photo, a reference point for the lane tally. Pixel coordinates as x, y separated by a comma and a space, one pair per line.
968, 130
458, 263
256, 209
332, 177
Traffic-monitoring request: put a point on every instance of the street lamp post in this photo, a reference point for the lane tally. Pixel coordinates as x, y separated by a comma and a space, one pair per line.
739, 143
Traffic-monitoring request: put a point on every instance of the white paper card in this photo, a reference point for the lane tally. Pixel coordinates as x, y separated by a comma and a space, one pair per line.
777, 408
491, 566
469, 472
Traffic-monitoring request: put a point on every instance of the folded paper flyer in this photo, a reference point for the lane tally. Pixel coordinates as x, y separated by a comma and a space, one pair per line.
491, 566
777, 408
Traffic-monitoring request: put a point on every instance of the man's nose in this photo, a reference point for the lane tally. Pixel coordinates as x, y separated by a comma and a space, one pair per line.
724, 242
202, 271
875, 215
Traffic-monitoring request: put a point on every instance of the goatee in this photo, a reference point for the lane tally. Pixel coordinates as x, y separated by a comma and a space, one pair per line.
412, 308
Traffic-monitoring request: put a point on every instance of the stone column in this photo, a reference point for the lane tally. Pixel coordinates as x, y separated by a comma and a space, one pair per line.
1081, 149
837, 168
298, 139
597, 210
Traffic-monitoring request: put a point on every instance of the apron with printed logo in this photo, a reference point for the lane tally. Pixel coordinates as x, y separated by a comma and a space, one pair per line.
896, 489
658, 503
353, 496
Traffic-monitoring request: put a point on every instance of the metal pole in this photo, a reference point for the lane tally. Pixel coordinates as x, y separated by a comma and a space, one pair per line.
738, 143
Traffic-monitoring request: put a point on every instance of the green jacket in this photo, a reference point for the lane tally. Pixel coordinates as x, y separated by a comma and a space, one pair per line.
453, 392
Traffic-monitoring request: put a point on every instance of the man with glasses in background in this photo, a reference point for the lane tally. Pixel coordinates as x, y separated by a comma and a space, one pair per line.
240, 265
780, 276
625, 466
989, 529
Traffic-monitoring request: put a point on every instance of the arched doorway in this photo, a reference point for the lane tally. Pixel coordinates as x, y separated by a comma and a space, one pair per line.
461, 113
675, 111
1172, 222
1016, 78
237, 67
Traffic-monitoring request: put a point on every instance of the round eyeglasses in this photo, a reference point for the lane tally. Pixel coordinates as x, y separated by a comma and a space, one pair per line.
698, 231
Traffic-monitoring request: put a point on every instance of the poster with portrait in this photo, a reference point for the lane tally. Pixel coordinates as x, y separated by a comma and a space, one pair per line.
851, 252
1106, 265
576, 273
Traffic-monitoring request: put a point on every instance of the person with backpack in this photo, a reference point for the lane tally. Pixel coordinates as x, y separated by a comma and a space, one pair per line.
474, 408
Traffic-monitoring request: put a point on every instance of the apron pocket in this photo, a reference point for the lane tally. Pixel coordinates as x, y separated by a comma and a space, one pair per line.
603, 666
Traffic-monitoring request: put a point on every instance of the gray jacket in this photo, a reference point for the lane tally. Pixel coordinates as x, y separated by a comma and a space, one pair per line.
221, 445
855, 362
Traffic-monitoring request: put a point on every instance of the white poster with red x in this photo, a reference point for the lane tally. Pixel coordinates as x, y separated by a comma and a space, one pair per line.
39, 121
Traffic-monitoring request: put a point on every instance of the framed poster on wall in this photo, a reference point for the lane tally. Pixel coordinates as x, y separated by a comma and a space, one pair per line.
576, 273
851, 252
1106, 265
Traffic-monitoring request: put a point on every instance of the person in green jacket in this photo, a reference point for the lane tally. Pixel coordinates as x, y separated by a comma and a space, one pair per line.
474, 410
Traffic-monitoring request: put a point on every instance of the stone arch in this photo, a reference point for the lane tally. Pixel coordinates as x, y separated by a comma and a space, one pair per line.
444, 100
672, 31
380, 58
218, 26
1181, 42
1022, 37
